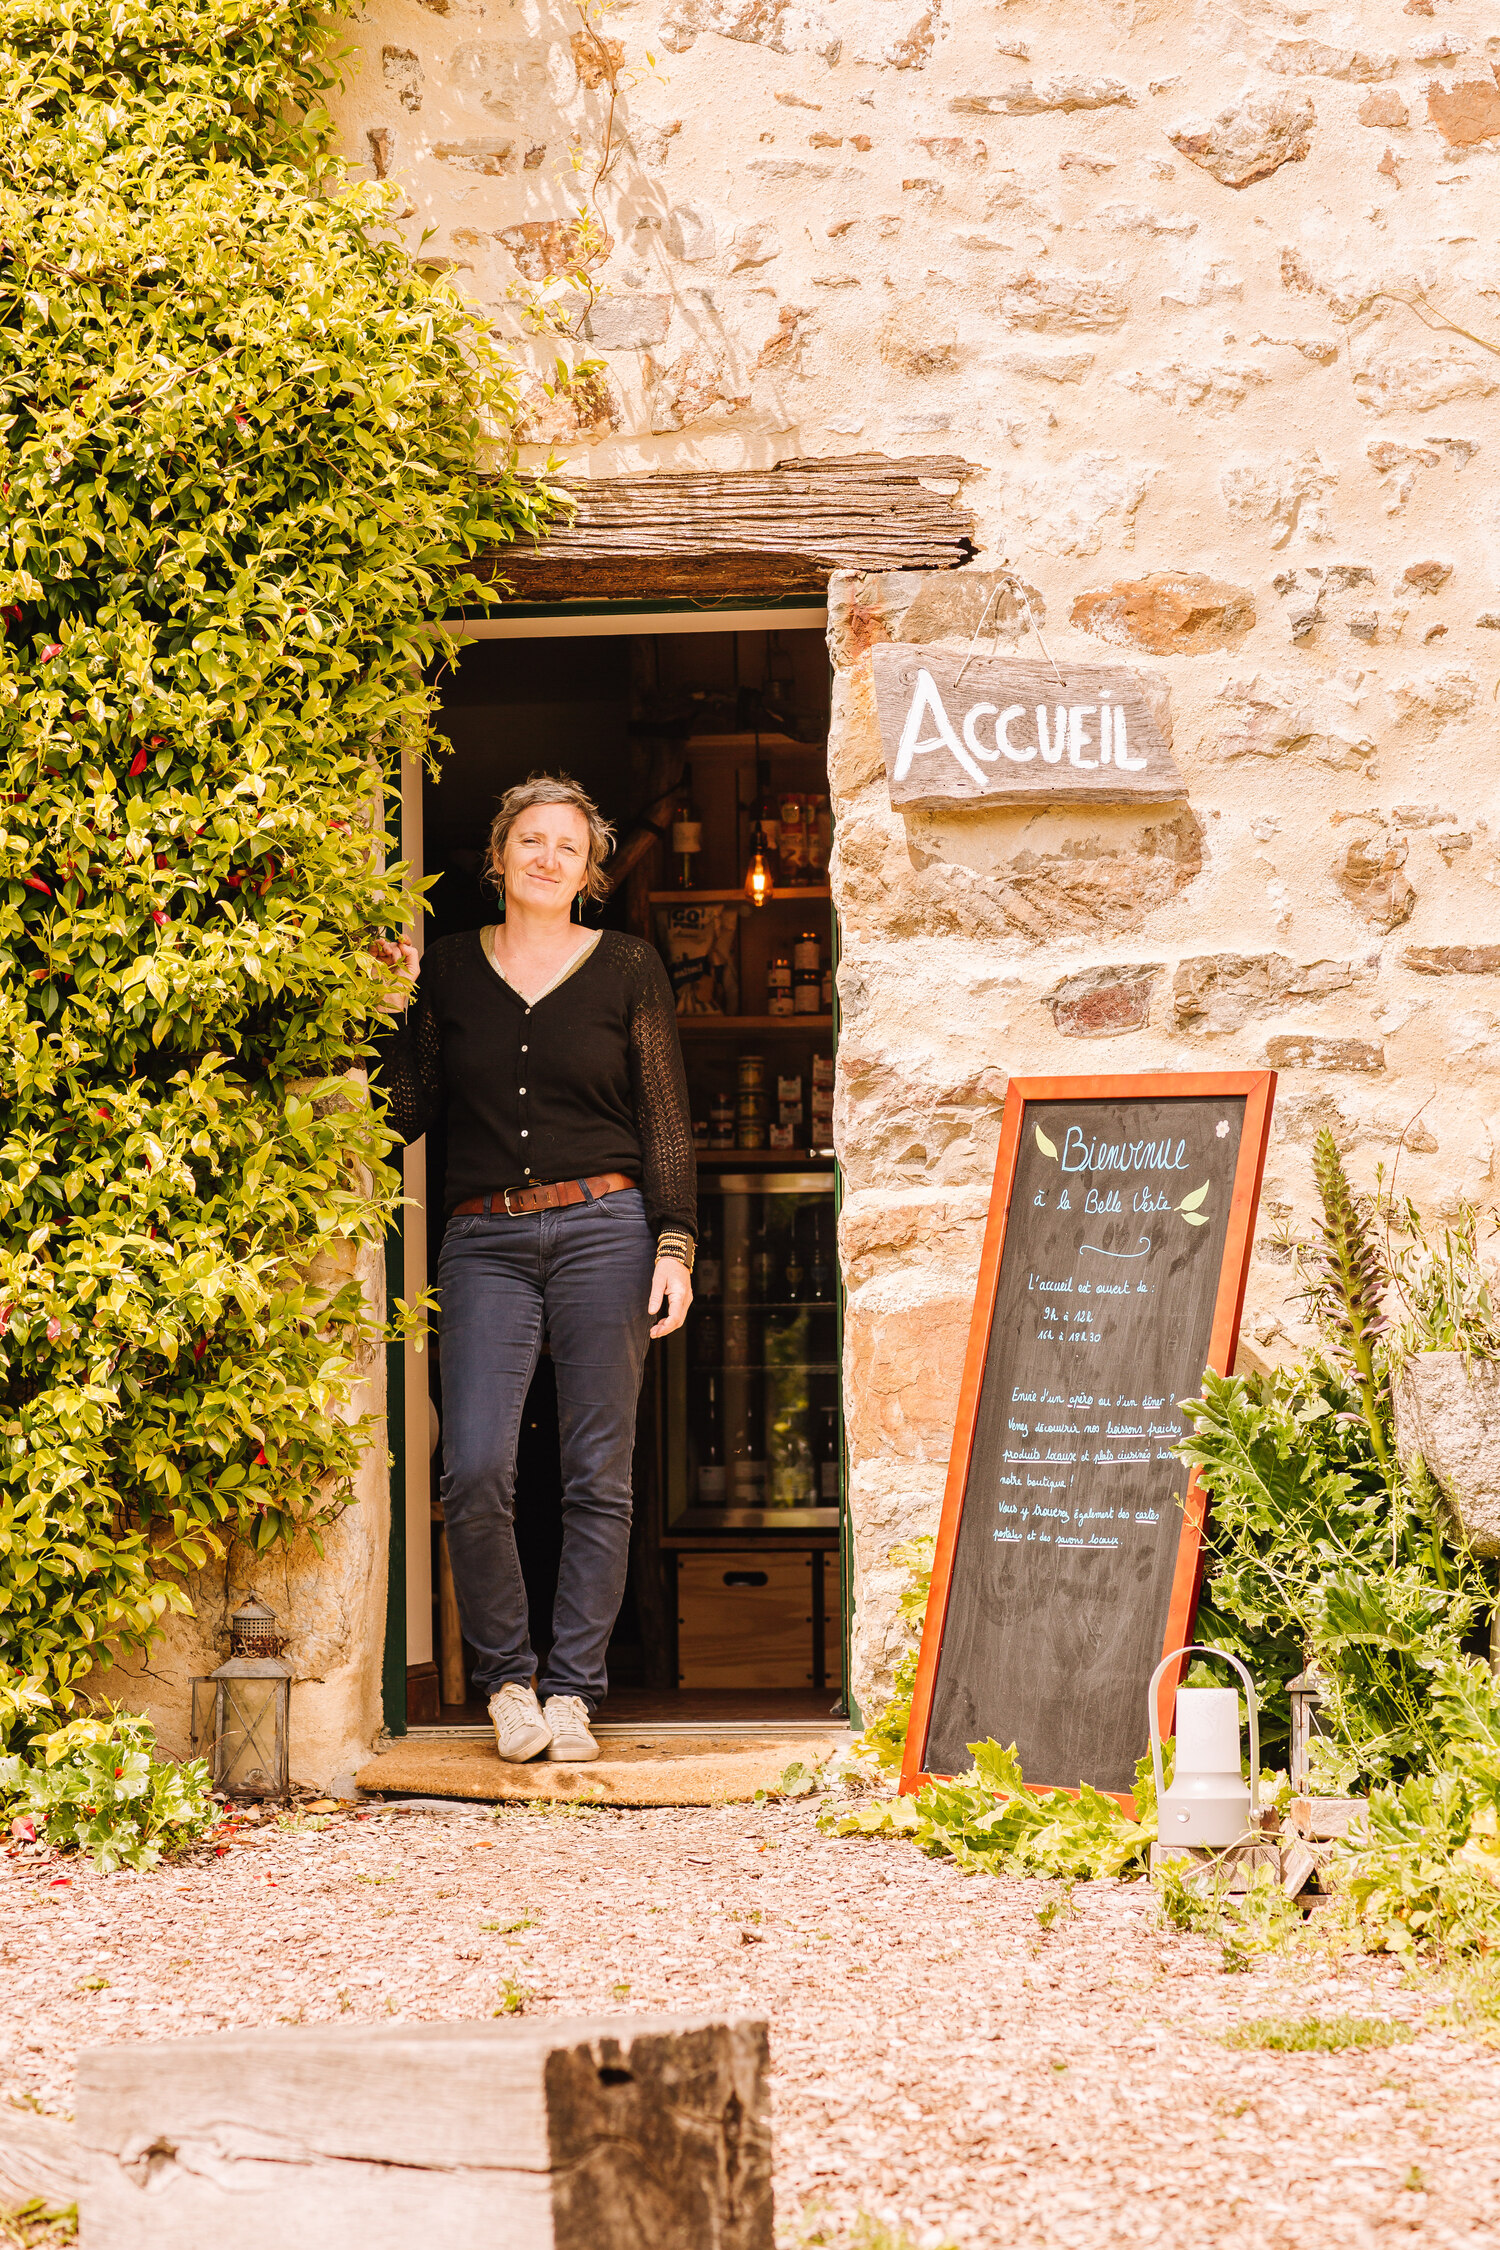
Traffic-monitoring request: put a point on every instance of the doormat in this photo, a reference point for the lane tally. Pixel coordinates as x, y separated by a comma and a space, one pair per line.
702, 1769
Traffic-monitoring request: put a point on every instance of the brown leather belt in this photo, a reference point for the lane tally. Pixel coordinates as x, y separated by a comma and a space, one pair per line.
515, 1202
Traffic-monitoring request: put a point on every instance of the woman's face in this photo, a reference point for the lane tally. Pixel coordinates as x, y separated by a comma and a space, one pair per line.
546, 858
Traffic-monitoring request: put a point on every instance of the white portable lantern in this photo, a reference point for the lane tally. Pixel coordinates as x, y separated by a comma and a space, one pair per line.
1208, 1802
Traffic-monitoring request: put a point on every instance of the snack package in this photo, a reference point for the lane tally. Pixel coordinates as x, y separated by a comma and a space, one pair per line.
698, 943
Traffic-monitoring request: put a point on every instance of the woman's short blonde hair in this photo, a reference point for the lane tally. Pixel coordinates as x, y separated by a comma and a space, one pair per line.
551, 789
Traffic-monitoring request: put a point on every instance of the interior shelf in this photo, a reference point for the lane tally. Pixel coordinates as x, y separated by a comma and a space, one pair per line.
781, 895
725, 1026
761, 1159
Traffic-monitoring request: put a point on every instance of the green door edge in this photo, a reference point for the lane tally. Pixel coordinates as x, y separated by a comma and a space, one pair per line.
846, 1558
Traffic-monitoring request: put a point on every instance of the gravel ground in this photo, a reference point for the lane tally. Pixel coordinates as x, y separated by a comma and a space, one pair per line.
943, 2063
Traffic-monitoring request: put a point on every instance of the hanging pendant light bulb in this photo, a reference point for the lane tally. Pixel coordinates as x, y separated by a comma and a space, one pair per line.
758, 874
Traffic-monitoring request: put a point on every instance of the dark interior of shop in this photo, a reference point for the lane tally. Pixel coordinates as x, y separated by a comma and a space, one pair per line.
713, 740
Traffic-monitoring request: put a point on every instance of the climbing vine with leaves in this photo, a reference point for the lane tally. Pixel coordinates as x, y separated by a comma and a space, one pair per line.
242, 451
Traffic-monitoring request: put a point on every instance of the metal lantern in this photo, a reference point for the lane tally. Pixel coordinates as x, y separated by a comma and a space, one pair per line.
1306, 1696
241, 1712
1208, 1802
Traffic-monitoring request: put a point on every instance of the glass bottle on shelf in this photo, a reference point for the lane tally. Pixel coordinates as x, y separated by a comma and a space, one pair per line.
820, 1273
708, 1269
828, 1456
747, 1466
763, 1263
706, 1335
687, 833
796, 1274
711, 1471
767, 814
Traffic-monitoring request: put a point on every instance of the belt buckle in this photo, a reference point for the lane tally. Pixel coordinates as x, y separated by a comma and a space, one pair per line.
505, 1199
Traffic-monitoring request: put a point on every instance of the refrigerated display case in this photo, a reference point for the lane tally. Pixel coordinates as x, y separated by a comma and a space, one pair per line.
753, 1438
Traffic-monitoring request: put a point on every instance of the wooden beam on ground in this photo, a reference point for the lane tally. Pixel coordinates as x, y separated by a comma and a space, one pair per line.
747, 535
40, 2160
605, 2133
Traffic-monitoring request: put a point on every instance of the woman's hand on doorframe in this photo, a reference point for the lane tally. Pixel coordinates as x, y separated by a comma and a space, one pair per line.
402, 956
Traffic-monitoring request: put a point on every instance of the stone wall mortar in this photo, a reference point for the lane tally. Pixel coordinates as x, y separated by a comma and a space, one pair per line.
1227, 430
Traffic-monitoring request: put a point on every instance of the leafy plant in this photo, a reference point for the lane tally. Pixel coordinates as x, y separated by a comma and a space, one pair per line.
1316, 2035
36, 2225
1446, 1291
249, 453
94, 1786
884, 1739
991, 1822
1320, 1545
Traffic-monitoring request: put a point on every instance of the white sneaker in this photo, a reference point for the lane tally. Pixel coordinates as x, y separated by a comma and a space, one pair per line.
567, 1716
520, 1730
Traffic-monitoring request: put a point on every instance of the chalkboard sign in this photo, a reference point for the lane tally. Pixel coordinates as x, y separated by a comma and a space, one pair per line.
1067, 1559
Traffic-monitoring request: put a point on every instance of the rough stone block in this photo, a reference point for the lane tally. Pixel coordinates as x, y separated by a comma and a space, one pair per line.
1315, 1050
1448, 1415
1368, 871
1452, 960
1219, 992
903, 1360
1250, 140
1052, 299
918, 337
570, 2134
1101, 1003
1384, 107
490, 157
1170, 613
1270, 715
618, 324
1314, 58
1032, 97
1467, 114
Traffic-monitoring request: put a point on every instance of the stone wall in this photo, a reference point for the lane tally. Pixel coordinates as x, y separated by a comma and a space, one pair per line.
329, 1598
1204, 293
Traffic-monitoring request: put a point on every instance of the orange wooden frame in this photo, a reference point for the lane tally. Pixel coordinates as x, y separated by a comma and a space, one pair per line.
1258, 1088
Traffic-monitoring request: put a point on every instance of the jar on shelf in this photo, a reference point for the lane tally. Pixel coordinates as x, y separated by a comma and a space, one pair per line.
793, 840
721, 1121
779, 987
807, 992
807, 953
819, 839
750, 1121
750, 1074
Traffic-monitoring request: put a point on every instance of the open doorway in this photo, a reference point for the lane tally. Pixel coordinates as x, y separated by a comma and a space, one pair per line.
702, 747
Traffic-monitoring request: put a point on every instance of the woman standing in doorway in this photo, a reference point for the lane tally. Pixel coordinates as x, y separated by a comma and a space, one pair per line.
571, 1208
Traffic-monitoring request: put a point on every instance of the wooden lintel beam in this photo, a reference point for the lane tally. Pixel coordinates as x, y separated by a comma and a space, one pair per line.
747, 534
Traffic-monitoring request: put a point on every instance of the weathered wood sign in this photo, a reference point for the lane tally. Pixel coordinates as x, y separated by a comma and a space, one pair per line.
958, 731
1067, 1558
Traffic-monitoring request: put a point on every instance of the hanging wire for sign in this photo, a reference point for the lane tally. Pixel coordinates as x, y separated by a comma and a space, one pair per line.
1006, 579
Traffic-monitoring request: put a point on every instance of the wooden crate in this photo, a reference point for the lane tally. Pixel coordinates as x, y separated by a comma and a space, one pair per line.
745, 1620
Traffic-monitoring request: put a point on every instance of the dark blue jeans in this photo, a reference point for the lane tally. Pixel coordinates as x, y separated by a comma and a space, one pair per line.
580, 1277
